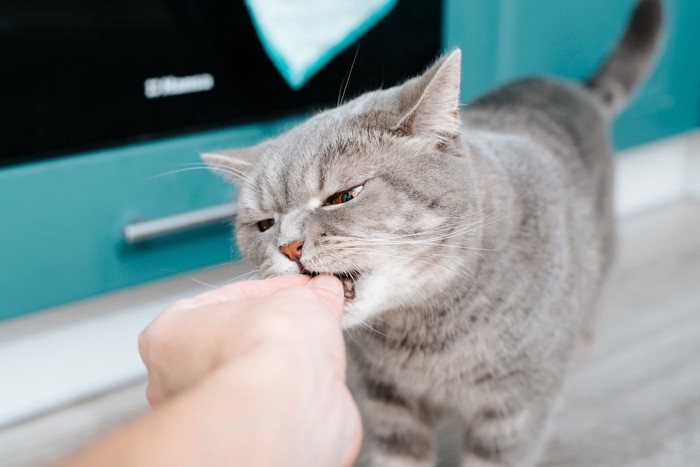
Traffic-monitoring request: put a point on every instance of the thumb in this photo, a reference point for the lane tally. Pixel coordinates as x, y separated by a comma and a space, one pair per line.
330, 290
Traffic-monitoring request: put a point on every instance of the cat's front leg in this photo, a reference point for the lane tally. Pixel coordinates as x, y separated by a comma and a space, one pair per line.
395, 433
506, 438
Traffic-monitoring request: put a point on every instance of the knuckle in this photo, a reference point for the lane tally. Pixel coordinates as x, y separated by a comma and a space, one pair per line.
153, 395
151, 341
144, 344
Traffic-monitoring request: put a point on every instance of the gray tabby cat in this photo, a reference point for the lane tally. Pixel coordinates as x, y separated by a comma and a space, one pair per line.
471, 249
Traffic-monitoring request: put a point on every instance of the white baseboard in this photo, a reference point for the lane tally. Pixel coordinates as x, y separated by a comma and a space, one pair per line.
62, 355
68, 353
693, 148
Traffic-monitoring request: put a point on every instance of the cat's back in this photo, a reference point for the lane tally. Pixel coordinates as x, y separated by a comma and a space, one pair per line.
560, 115
550, 138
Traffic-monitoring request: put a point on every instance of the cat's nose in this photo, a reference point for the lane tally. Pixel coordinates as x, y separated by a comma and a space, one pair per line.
292, 250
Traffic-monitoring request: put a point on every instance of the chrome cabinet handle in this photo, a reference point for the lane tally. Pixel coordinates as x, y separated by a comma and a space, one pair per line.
146, 230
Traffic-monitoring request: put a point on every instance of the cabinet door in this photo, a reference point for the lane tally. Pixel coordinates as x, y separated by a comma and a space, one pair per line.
62, 220
506, 39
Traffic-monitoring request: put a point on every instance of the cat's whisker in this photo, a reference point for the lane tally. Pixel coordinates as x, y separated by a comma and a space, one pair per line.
366, 325
246, 276
226, 171
460, 231
415, 234
354, 248
197, 281
349, 333
223, 264
436, 241
430, 244
232, 171
412, 259
341, 243
347, 81
173, 172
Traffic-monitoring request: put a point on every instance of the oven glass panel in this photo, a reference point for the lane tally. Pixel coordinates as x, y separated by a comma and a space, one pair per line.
82, 74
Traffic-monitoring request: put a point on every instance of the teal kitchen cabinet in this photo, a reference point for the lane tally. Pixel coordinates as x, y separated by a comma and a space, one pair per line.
62, 220
503, 40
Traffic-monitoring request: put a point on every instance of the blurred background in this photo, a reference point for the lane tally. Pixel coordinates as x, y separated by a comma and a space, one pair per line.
108, 215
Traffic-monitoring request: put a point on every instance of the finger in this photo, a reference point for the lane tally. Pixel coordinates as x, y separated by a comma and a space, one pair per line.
330, 290
244, 290
154, 391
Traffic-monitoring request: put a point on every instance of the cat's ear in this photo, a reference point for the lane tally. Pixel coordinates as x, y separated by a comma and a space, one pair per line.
436, 111
232, 164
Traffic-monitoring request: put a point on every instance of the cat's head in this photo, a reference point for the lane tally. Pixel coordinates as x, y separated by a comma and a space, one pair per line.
375, 192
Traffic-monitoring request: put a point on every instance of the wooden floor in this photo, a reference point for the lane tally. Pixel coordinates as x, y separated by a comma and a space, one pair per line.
632, 398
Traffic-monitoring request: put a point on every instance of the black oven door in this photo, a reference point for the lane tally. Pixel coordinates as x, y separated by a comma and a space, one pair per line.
80, 74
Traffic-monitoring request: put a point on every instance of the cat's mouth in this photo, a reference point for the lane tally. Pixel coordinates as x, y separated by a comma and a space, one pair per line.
349, 280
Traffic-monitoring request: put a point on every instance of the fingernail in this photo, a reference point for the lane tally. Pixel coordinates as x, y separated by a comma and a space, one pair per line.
325, 281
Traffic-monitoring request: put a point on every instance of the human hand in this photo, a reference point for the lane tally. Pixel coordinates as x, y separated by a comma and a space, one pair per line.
195, 335
278, 345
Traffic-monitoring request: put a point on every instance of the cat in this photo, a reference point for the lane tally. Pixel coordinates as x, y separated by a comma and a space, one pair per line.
471, 245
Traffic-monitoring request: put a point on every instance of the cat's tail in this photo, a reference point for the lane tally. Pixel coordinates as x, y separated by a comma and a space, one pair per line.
631, 59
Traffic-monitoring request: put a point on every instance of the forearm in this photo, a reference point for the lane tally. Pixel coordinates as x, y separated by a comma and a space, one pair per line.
250, 374
225, 420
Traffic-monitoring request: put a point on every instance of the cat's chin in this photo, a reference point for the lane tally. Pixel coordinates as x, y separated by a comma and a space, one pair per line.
349, 280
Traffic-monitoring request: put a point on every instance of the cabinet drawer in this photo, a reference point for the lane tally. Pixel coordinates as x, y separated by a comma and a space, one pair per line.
62, 235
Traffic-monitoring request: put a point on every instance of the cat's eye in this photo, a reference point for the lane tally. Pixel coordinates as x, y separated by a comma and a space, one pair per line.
266, 224
343, 196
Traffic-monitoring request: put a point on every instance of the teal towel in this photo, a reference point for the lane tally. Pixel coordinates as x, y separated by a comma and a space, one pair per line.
301, 36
